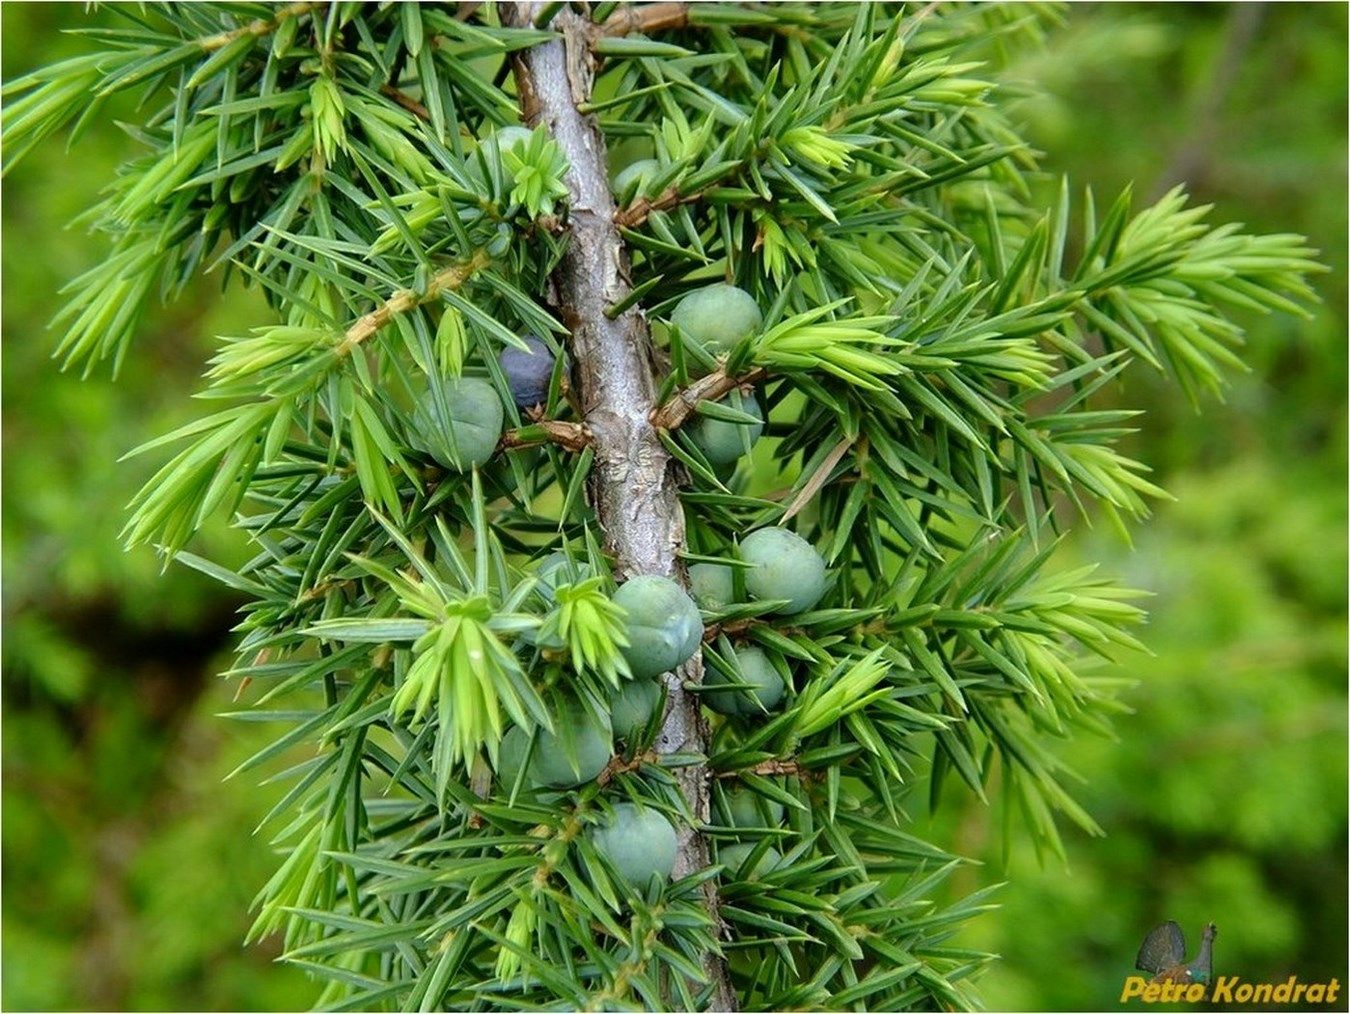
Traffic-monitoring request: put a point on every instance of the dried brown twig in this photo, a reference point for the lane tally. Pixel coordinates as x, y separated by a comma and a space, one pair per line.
571, 435
642, 18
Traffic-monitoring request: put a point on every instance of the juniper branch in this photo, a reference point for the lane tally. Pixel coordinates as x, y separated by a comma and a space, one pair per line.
406, 101
633, 489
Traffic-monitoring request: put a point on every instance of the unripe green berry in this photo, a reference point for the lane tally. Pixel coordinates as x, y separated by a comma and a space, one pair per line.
576, 752
458, 422
638, 842
756, 671
573, 755
722, 441
713, 585
734, 857
786, 566
664, 627
744, 808
717, 316
510, 757
633, 706
641, 172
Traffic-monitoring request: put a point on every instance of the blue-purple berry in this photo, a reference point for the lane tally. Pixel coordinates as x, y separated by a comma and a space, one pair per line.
528, 371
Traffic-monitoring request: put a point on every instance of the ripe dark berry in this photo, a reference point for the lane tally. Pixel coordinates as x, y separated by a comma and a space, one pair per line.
528, 372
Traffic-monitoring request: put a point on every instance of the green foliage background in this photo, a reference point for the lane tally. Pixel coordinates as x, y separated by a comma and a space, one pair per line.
128, 871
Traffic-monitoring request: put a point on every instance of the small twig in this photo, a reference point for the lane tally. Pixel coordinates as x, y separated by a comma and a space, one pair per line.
713, 630
619, 766
262, 26
643, 18
619, 987
731, 627
406, 101
680, 405
451, 277
571, 435
638, 212
463, 12
771, 767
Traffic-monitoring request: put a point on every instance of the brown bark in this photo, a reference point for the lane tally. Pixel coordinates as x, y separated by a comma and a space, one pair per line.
633, 486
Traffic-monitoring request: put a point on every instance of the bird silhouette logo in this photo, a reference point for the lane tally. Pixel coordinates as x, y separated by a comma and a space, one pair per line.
1163, 953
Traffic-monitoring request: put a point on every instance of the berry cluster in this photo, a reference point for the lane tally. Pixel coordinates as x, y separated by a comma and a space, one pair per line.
459, 424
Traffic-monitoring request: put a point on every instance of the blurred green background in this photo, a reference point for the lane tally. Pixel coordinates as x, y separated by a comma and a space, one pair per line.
128, 860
